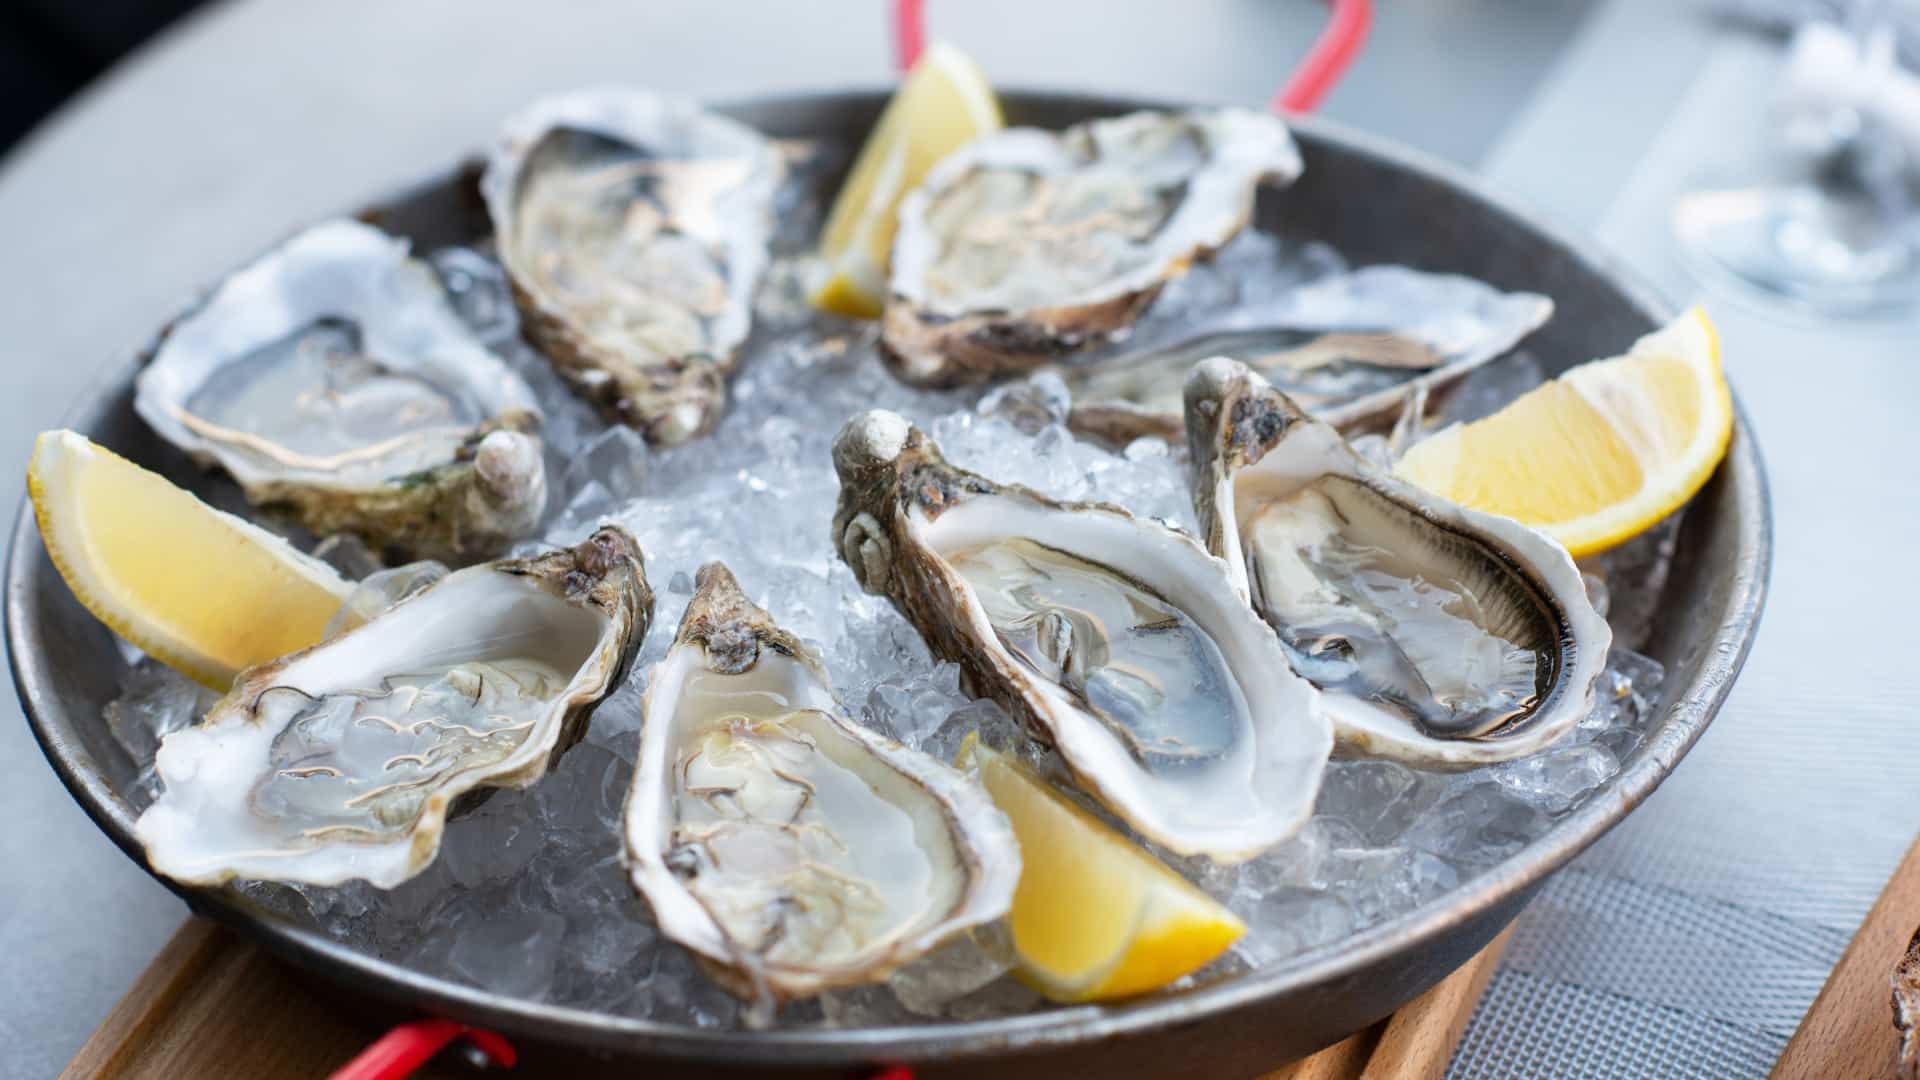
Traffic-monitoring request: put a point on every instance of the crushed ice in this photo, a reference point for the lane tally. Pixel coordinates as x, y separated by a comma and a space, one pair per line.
528, 896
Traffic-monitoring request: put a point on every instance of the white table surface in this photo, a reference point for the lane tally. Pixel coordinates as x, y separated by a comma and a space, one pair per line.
257, 115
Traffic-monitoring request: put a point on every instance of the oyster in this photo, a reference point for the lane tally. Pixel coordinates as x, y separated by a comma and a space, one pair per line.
342, 761
1439, 635
333, 380
1349, 348
634, 229
1905, 978
1116, 639
791, 849
1026, 245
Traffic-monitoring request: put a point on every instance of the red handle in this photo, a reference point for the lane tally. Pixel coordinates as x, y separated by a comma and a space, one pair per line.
909, 33
400, 1051
1332, 53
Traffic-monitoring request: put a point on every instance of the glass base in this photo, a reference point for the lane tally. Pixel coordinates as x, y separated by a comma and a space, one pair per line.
1799, 245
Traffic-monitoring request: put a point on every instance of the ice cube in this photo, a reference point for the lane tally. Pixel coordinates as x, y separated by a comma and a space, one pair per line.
958, 968
1477, 823
1557, 779
511, 953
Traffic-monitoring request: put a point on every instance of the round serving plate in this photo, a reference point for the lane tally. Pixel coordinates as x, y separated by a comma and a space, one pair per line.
1372, 202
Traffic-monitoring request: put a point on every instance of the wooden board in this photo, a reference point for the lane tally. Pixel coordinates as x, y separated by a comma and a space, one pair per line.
212, 1004
1849, 1031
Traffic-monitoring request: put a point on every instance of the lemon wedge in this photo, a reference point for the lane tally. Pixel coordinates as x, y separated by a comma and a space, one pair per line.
1095, 917
202, 591
943, 104
1601, 453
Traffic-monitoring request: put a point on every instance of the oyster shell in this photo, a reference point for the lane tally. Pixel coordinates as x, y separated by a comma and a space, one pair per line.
791, 849
1025, 245
333, 380
634, 229
342, 761
1349, 349
1116, 639
1438, 635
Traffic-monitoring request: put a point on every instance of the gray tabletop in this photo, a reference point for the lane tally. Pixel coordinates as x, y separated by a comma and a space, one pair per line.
1688, 942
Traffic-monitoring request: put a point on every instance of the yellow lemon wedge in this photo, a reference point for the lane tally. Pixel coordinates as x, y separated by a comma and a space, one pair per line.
1095, 917
943, 104
201, 591
1598, 455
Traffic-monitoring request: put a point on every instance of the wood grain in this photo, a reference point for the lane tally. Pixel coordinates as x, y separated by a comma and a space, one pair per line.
1420, 1038
1415, 1043
212, 1004
1849, 1031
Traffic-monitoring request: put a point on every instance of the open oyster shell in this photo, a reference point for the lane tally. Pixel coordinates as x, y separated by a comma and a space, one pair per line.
342, 761
634, 229
1026, 245
333, 380
791, 849
1350, 349
1438, 635
1116, 639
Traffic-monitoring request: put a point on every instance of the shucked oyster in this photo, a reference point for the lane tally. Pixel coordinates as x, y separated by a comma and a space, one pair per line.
1348, 348
790, 848
342, 761
333, 380
634, 229
1116, 639
1026, 245
1439, 635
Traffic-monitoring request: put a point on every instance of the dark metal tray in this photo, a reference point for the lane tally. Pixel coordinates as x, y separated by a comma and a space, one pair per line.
1373, 202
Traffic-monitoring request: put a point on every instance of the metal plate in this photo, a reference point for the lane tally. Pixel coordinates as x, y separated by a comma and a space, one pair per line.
1374, 203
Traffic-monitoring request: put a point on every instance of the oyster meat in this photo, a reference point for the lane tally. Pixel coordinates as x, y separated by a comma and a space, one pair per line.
1439, 635
333, 380
343, 761
1026, 245
1349, 348
1117, 640
634, 229
791, 849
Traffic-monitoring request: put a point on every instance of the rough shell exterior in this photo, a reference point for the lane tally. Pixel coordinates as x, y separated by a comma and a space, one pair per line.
603, 574
931, 345
897, 492
399, 498
670, 398
1235, 419
491, 494
734, 635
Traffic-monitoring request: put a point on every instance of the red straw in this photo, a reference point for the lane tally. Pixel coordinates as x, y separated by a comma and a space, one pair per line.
1336, 47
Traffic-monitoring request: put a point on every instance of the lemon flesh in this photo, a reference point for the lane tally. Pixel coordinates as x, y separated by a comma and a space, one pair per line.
1599, 455
1095, 917
202, 591
943, 104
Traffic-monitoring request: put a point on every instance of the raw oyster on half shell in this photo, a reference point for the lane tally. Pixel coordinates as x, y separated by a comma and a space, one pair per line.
791, 849
1116, 639
634, 229
1438, 635
1349, 349
343, 761
333, 380
1026, 245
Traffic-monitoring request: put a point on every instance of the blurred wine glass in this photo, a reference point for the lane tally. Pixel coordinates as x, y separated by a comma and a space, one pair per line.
1842, 238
